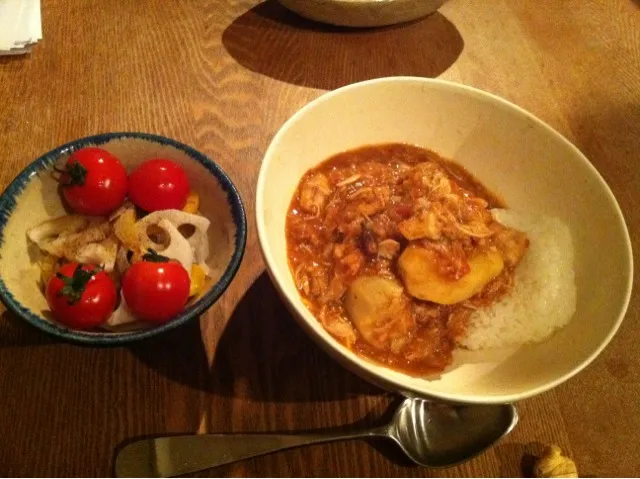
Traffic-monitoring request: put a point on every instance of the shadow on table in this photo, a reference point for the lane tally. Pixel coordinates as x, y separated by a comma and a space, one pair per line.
517, 460
178, 355
262, 354
275, 42
16, 333
9, 59
608, 133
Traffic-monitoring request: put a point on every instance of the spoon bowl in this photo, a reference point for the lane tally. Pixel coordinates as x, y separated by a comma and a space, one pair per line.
430, 434
438, 435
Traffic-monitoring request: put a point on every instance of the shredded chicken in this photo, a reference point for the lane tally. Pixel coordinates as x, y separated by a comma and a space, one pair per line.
352, 262
314, 193
348, 181
338, 327
511, 243
429, 177
424, 224
477, 230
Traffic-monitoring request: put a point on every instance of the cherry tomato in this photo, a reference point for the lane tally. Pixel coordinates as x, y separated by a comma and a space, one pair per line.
159, 185
94, 182
156, 289
81, 296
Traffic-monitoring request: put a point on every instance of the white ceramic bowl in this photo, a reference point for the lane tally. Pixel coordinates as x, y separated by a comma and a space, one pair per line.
516, 155
363, 13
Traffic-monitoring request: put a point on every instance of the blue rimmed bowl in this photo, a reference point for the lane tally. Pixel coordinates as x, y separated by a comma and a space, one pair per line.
33, 197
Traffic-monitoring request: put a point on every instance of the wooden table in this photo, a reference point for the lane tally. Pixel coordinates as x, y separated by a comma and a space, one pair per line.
223, 76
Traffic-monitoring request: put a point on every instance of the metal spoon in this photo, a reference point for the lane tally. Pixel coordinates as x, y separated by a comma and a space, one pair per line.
430, 434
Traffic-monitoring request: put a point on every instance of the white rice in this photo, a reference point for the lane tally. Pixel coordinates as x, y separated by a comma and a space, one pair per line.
544, 295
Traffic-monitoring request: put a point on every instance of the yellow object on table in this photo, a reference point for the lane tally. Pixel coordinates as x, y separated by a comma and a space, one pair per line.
554, 464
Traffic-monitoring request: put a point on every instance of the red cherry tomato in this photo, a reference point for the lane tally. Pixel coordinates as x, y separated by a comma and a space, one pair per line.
81, 296
156, 289
159, 185
94, 182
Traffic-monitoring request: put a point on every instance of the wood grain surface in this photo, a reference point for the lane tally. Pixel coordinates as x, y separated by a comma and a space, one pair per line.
223, 75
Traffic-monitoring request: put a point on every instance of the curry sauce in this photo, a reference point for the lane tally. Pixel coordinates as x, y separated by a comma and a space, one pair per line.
392, 247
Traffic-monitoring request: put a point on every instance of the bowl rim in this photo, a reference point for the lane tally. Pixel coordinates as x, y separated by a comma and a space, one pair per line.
367, 369
362, 3
324, 11
8, 204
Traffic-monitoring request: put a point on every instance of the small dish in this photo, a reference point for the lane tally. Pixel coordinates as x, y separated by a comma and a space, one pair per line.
33, 197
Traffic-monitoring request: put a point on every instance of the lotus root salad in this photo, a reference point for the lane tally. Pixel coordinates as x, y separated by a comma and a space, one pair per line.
404, 256
133, 251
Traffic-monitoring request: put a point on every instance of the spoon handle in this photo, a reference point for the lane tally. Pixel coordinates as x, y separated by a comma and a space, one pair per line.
177, 455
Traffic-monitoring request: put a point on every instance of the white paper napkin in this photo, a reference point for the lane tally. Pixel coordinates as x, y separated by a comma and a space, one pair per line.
20, 26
